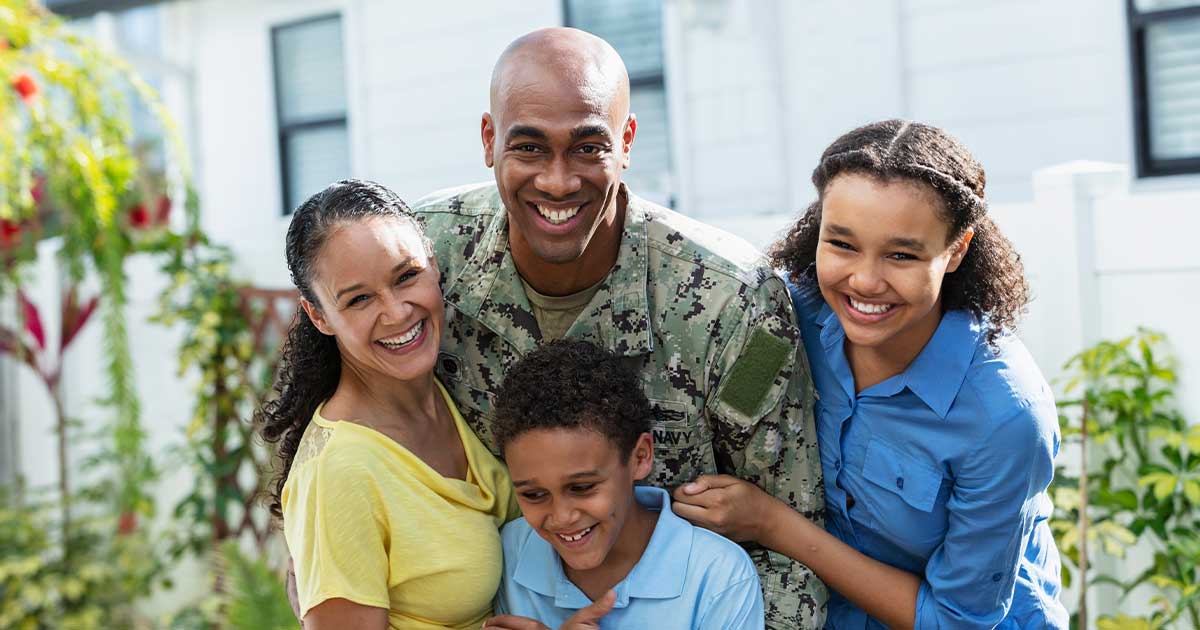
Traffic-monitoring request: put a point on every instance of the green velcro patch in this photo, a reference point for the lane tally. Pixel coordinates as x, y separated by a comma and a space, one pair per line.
754, 372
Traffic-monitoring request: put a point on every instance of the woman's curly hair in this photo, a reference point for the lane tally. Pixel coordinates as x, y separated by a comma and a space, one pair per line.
990, 281
572, 384
310, 364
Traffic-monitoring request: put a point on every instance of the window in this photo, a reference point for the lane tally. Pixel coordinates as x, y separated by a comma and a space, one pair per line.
310, 106
1165, 45
634, 28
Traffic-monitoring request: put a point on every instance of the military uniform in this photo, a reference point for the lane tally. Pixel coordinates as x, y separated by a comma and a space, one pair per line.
702, 318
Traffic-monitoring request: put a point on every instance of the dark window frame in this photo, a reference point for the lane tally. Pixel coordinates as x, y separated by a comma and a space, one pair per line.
1139, 21
286, 130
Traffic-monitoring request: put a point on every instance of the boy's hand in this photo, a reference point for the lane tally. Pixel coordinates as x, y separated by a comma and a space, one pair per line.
587, 618
736, 509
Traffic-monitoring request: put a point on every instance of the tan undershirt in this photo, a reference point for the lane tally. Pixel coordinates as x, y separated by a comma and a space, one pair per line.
555, 315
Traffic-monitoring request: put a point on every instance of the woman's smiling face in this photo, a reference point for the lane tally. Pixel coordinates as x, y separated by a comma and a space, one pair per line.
378, 291
883, 253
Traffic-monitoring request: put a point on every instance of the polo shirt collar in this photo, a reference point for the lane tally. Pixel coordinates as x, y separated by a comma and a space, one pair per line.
935, 376
660, 573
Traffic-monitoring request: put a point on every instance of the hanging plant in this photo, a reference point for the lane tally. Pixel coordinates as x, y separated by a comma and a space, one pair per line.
70, 168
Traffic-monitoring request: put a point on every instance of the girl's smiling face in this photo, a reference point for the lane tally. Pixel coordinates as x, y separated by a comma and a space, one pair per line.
882, 255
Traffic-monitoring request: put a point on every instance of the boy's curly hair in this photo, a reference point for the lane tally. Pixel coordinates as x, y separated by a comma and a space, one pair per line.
990, 282
572, 384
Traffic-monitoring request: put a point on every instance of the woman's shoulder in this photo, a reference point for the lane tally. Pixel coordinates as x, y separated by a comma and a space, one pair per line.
806, 299
1008, 386
335, 449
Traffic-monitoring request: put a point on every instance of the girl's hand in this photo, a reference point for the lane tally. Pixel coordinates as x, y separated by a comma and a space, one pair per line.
736, 509
587, 618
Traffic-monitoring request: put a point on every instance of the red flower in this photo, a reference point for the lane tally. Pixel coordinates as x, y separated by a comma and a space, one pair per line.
38, 192
9, 232
3, 44
25, 86
138, 216
163, 212
127, 523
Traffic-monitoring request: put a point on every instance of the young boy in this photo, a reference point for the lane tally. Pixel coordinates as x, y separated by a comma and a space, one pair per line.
574, 427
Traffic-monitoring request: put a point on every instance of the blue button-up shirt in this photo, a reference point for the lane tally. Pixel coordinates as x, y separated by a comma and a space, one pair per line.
686, 578
942, 471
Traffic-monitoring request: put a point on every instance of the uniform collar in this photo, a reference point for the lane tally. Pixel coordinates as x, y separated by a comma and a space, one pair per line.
935, 376
660, 573
618, 316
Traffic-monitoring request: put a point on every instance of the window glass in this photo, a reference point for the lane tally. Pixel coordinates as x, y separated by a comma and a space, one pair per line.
315, 158
1173, 88
1160, 5
650, 169
311, 71
633, 27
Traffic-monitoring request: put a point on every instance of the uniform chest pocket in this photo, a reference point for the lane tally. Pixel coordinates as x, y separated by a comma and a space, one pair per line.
914, 480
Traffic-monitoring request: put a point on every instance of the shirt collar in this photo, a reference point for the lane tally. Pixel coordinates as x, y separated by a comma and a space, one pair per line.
618, 316
938, 372
660, 573
935, 376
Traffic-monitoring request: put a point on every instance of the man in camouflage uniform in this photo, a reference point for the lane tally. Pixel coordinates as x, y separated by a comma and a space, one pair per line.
558, 246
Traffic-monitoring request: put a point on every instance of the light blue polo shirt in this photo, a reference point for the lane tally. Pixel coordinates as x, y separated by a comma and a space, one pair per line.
688, 577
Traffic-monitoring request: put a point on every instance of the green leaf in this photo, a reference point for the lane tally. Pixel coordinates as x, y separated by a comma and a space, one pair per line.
1191, 490
257, 598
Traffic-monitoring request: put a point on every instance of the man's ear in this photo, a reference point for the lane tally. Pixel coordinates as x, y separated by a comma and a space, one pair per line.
316, 316
960, 250
627, 139
487, 132
642, 457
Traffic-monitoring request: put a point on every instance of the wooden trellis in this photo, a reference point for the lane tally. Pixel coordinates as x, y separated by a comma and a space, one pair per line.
268, 314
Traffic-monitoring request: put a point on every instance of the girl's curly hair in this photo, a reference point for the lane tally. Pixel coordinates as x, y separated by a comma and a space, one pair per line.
310, 364
990, 281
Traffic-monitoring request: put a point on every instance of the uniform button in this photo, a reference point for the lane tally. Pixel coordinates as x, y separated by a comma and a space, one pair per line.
900, 482
849, 501
837, 463
996, 577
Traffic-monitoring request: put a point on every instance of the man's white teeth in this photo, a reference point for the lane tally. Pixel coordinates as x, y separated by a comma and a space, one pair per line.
557, 216
870, 309
396, 342
576, 537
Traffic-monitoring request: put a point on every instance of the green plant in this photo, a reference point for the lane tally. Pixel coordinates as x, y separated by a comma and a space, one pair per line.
89, 581
218, 343
1140, 478
30, 347
70, 167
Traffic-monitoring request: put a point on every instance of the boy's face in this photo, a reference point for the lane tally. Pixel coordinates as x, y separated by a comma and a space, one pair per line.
576, 490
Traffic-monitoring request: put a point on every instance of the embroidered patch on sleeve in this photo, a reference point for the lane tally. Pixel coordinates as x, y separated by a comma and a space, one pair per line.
753, 373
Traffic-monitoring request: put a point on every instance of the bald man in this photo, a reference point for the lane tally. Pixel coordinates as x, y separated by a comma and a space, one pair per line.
559, 247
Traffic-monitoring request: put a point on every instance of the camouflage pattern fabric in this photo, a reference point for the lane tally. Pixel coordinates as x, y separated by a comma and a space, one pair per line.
682, 305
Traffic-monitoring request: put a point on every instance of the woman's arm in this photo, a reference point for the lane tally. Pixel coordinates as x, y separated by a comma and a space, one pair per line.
343, 614
742, 511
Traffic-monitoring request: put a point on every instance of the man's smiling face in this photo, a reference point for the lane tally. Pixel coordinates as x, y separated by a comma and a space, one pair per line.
558, 145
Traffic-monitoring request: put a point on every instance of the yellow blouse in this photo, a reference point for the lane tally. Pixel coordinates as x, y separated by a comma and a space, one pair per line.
368, 521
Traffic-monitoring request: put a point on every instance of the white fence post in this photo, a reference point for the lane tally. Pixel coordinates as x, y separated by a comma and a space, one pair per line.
1066, 194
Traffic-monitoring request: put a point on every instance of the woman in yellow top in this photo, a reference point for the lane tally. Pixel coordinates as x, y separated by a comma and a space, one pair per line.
390, 504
